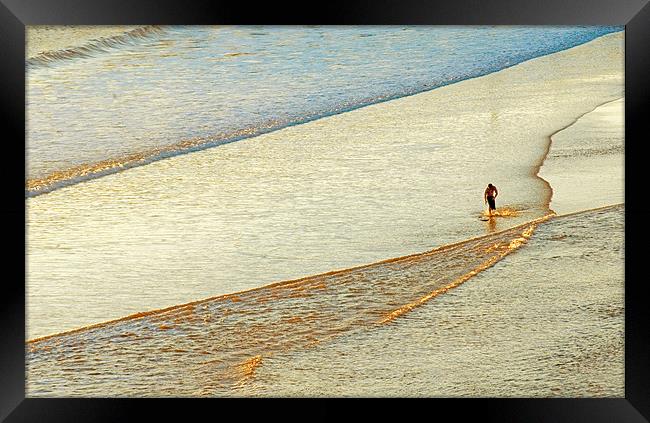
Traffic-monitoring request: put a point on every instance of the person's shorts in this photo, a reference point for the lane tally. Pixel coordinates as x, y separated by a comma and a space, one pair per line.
491, 202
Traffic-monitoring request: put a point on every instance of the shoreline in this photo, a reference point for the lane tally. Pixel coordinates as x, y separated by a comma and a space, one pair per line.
56, 180
380, 142
550, 144
546, 321
598, 137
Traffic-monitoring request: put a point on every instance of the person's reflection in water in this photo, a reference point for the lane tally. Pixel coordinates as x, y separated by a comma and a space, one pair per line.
491, 224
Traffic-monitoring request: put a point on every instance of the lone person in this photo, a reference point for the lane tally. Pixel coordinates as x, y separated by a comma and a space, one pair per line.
489, 196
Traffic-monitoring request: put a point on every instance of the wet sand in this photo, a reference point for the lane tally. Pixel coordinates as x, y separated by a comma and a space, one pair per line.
545, 319
383, 181
585, 164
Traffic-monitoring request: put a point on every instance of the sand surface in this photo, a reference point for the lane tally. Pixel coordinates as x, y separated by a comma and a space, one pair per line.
546, 320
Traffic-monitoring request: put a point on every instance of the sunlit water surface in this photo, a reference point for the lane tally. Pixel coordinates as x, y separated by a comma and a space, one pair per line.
123, 100
383, 181
387, 180
425, 325
536, 324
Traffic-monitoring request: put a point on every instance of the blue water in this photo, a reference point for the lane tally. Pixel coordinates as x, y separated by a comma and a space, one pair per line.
208, 85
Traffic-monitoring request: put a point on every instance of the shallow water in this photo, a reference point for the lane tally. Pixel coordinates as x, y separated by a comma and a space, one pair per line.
585, 164
341, 191
484, 317
510, 307
124, 100
214, 345
546, 321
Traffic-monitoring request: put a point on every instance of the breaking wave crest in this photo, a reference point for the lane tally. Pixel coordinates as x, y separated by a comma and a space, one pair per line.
95, 47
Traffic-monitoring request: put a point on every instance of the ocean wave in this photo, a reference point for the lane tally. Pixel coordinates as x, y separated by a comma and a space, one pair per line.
88, 171
117, 150
95, 47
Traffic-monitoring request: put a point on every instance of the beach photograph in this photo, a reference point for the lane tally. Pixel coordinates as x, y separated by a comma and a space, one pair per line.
324, 211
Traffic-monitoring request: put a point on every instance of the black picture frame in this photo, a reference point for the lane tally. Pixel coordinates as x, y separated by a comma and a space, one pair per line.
16, 14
